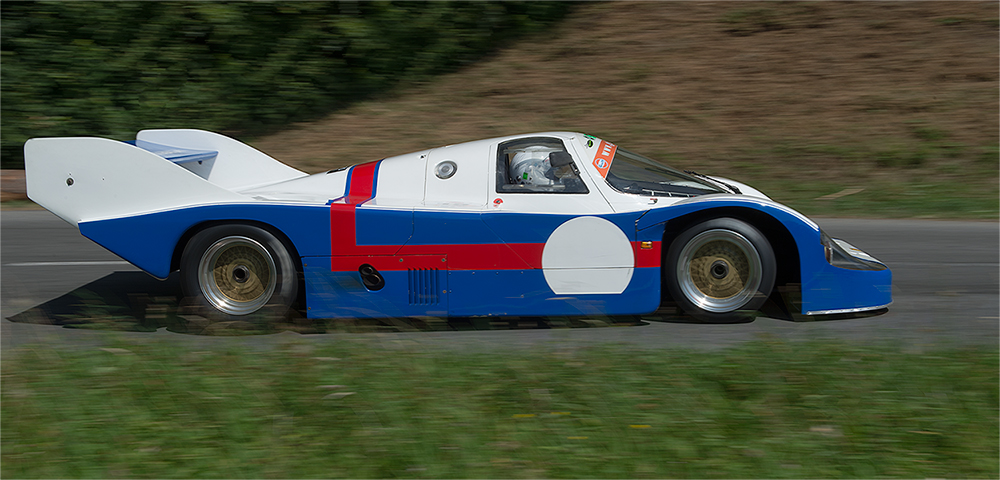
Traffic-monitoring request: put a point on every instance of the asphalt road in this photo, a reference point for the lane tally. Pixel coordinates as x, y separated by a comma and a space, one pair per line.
945, 289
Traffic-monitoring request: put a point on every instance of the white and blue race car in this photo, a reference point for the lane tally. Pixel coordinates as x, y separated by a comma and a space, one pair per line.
543, 224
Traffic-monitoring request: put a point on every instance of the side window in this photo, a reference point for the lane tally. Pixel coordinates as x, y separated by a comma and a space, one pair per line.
537, 165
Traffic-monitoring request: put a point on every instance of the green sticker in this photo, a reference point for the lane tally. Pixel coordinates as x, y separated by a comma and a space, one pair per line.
524, 175
590, 143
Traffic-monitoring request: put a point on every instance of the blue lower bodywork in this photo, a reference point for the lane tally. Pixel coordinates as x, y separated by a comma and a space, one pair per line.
150, 242
825, 288
467, 293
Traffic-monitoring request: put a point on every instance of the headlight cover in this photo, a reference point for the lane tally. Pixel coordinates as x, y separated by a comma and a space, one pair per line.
844, 255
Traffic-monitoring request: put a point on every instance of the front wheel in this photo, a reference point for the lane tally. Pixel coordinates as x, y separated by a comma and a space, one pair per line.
720, 271
236, 271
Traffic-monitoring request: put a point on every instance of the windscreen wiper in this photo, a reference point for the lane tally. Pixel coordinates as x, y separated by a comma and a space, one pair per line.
732, 188
657, 193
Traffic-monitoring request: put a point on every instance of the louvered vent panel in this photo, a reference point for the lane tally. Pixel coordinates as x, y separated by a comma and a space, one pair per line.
423, 286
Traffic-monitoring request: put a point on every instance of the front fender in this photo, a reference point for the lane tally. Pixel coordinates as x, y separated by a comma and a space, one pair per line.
825, 288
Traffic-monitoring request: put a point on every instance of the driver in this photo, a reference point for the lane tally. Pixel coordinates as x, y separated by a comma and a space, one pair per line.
531, 166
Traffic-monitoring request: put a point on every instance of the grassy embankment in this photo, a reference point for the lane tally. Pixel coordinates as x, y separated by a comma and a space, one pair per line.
838, 109
358, 410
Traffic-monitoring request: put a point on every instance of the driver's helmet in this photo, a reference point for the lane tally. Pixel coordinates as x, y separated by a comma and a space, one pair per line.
531, 166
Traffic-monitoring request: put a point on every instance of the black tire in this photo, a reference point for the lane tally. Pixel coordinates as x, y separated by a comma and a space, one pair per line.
720, 271
239, 272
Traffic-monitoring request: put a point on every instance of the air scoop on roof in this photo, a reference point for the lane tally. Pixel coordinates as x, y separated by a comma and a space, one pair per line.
175, 154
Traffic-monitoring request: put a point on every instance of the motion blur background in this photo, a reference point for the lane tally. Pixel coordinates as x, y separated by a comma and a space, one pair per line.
865, 108
877, 109
108, 68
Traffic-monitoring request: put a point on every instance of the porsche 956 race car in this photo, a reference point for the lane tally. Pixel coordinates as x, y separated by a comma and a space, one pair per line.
543, 224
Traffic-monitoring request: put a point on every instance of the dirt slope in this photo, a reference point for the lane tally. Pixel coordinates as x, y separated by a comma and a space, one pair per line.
880, 92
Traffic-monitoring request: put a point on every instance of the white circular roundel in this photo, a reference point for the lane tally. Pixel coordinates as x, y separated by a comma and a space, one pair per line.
587, 255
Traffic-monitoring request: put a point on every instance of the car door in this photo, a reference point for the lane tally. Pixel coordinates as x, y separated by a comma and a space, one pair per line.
577, 252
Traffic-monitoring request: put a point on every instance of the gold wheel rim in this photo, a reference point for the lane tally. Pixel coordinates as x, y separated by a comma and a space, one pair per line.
719, 270
241, 273
237, 275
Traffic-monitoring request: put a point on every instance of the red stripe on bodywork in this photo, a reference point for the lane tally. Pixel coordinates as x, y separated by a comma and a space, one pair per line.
487, 256
343, 230
645, 258
347, 255
484, 256
362, 183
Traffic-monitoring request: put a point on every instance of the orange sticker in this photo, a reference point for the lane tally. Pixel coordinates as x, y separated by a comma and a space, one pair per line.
605, 154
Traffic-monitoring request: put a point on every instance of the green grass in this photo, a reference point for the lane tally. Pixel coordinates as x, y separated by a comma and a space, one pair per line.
954, 199
19, 205
358, 409
929, 177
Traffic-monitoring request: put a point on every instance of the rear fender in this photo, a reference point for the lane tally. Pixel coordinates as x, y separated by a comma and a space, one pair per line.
150, 241
88, 178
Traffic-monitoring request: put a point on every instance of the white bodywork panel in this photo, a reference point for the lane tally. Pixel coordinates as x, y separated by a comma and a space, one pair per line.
237, 167
110, 179
466, 188
401, 181
318, 188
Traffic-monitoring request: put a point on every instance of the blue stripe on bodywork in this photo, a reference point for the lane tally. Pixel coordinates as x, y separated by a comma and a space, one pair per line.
469, 293
443, 228
148, 241
536, 227
375, 178
526, 293
347, 185
341, 294
378, 226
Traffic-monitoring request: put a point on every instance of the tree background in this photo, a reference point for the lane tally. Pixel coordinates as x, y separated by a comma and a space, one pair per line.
113, 68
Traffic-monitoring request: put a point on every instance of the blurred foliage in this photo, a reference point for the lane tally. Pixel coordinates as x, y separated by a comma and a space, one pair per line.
112, 68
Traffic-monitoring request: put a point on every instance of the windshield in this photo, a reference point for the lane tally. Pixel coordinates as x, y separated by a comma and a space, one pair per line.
636, 174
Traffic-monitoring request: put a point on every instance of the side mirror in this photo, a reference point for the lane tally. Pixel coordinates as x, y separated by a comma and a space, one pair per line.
560, 159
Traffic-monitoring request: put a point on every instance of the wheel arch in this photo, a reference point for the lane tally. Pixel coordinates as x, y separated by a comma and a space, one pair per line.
175, 258
786, 251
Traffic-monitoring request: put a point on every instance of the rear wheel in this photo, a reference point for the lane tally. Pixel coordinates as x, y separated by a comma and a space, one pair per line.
720, 271
239, 272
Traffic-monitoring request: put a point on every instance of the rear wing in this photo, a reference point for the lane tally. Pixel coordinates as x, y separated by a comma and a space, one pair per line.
86, 178
237, 166
175, 154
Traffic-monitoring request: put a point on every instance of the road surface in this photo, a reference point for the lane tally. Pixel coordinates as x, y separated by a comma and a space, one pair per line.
945, 292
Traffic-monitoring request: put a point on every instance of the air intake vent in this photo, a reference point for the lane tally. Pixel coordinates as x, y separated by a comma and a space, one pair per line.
424, 286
